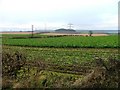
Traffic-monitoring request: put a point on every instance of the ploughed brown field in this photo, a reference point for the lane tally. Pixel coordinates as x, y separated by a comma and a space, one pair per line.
52, 34
75, 34
15, 32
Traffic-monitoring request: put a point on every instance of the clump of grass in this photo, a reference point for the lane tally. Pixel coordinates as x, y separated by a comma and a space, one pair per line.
103, 75
48, 79
17, 72
11, 63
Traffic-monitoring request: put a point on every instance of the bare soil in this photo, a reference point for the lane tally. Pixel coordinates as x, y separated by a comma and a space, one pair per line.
16, 32
75, 34
54, 34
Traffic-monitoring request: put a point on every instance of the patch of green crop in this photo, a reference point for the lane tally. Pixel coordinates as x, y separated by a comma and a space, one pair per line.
66, 42
61, 67
64, 56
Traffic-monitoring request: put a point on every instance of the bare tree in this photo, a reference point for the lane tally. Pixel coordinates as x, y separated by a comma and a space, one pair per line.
90, 33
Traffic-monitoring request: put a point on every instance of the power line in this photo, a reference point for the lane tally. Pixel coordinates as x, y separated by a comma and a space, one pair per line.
70, 25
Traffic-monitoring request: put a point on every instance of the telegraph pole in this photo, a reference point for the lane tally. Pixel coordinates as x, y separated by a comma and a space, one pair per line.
32, 30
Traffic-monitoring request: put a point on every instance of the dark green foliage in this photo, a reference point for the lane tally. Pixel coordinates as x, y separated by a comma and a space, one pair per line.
103, 75
11, 63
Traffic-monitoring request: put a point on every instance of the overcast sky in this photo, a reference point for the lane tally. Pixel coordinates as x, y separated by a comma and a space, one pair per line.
83, 14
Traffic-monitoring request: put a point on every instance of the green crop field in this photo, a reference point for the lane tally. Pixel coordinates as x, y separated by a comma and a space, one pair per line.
72, 62
64, 56
66, 41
